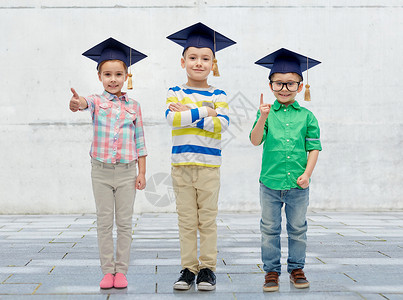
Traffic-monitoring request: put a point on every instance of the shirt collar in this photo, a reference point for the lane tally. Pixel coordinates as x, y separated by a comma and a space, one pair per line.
277, 105
111, 97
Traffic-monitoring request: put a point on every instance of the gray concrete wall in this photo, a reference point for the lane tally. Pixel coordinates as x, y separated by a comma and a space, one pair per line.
356, 95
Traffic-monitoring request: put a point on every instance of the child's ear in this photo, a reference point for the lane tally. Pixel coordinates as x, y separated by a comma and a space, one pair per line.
183, 63
270, 85
99, 76
300, 87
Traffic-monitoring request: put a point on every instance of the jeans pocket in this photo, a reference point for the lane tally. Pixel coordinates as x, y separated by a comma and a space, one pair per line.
95, 164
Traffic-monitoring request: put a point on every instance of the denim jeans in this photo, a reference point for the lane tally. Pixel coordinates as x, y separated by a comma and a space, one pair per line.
296, 203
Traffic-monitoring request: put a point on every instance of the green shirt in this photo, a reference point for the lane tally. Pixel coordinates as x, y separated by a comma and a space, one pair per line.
289, 132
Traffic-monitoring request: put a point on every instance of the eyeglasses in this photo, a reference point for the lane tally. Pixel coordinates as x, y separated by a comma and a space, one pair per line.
291, 86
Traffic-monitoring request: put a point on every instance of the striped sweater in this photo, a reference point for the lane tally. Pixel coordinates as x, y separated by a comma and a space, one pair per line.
196, 137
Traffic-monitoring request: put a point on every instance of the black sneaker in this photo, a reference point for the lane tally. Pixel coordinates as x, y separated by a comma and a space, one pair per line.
206, 280
185, 281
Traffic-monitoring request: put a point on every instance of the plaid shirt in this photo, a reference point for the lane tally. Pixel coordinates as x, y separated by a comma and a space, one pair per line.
118, 128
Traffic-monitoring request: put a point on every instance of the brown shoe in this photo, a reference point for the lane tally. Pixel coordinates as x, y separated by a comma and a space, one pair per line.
297, 277
270, 282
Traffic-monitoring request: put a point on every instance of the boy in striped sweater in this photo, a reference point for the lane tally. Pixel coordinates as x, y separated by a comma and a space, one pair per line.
198, 114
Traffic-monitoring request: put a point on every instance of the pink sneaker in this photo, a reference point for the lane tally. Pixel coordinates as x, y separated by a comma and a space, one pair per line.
120, 281
107, 281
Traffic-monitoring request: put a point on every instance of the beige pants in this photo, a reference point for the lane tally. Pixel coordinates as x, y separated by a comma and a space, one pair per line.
196, 190
114, 191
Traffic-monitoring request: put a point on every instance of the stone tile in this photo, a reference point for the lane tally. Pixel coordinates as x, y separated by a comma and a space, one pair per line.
307, 296
94, 270
18, 288
349, 256
390, 296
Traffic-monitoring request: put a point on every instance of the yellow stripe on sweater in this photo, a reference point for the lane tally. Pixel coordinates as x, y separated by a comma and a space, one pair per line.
217, 124
177, 119
196, 131
172, 100
221, 104
187, 100
195, 164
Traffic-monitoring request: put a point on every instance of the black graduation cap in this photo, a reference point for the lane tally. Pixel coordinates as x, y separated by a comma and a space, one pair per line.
111, 49
287, 61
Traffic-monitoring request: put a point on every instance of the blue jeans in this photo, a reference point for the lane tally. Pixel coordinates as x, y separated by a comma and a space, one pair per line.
296, 203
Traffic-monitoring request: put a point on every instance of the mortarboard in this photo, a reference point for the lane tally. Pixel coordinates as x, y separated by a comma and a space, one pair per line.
112, 49
201, 36
286, 61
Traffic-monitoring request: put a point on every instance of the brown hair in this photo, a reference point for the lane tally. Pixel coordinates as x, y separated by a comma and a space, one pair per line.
102, 63
300, 78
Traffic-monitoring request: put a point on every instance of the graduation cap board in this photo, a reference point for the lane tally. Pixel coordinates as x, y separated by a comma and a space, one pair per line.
286, 61
201, 36
112, 49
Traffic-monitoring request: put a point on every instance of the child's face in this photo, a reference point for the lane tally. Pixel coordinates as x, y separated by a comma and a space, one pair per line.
113, 75
284, 96
198, 63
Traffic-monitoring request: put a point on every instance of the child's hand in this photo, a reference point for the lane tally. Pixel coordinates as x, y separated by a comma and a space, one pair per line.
178, 107
303, 181
211, 112
140, 181
264, 108
74, 101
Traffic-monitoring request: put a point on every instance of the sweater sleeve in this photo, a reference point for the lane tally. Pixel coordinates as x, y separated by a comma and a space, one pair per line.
183, 118
220, 123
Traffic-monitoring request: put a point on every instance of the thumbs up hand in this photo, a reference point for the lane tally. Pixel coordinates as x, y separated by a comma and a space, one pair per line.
264, 108
74, 101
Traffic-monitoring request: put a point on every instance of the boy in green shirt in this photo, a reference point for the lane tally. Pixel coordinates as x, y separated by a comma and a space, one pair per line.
288, 132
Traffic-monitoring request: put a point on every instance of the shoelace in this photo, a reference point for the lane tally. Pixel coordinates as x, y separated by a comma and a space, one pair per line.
186, 276
204, 276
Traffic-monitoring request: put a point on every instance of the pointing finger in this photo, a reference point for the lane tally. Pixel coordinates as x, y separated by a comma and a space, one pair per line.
75, 95
261, 99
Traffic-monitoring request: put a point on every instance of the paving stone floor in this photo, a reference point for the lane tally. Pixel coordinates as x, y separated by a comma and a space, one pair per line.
350, 255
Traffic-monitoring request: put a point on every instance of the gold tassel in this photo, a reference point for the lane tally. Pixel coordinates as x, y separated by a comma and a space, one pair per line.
215, 68
307, 95
130, 82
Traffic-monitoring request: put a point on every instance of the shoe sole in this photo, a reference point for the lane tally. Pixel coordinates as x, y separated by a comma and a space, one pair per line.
300, 285
270, 289
120, 287
182, 287
202, 287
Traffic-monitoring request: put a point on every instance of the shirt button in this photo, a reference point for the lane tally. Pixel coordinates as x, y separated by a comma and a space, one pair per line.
289, 173
288, 157
287, 124
288, 140
285, 109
